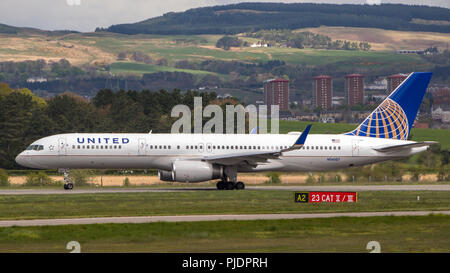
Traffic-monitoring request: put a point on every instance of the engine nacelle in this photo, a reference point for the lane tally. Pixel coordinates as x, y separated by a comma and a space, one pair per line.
191, 171
165, 176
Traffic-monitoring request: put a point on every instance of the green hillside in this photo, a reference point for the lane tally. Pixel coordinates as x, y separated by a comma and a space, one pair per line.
245, 17
139, 68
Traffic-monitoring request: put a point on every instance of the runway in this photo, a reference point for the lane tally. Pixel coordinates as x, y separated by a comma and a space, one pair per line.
357, 188
196, 218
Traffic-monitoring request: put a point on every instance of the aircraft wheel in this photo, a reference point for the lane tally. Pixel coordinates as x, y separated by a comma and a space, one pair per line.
68, 186
230, 185
240, 186
220, 185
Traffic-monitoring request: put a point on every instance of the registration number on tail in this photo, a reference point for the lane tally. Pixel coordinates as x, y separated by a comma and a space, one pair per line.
325, 197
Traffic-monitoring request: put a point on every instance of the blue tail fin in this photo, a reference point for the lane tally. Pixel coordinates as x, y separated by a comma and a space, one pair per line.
395, 117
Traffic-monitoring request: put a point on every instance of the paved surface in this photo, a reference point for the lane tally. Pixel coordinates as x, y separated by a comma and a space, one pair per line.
195, 218
445, 187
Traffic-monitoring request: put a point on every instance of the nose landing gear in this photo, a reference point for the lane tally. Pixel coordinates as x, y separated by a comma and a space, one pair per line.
68, 185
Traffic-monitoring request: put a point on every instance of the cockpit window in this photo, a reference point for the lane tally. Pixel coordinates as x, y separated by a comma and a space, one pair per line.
35, 147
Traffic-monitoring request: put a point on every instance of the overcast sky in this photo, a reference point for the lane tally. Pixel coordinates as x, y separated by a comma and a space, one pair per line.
86, 15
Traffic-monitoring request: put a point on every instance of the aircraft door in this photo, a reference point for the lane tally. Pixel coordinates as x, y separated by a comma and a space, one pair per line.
141, 146
355, 147
62, 148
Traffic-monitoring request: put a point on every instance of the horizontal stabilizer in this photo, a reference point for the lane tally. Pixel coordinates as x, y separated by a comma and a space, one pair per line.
392, 148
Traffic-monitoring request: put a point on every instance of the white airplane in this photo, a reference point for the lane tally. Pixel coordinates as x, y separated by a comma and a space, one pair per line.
200, 157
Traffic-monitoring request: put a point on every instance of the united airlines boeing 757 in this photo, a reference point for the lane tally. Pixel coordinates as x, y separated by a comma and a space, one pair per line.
383, 135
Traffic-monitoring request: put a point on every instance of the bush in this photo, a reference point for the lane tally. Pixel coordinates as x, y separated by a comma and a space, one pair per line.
80, 177
310, 179
38, 179
274, 178
126, 182
4, 178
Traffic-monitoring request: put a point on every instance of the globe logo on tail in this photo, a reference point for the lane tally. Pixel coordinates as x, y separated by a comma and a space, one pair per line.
387, 121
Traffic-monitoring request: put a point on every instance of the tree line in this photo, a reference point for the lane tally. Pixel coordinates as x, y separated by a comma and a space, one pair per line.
25, 118
289, 38
247, 17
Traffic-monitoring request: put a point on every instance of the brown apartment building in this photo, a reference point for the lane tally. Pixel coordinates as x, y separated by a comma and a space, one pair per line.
354, 89
322, 92
276, 92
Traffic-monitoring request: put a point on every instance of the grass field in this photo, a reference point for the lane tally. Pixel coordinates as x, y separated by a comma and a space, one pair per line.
206, 202
382, 39
82, 48
344, 234
138, 68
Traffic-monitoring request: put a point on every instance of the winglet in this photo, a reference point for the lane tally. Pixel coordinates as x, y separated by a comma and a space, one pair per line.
254, 130
301, 139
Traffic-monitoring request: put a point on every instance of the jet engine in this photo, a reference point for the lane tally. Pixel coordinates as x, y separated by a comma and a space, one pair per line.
191, 171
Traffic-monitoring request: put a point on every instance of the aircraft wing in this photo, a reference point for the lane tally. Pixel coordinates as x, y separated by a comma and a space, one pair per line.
396, 148
253, 158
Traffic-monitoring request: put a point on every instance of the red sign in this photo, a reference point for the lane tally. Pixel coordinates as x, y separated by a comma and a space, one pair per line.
334, 197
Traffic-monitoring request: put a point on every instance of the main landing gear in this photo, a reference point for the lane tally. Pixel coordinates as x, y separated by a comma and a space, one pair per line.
230, 185
68, 185
228, 181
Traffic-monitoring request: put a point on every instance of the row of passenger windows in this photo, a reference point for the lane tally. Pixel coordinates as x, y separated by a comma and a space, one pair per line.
321, 147
92, 147
194, 147
218, 147
236, 147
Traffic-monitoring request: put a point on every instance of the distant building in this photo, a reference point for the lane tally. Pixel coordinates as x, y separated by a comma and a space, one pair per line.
276, 92
322, 93
259, 44
441, 113
410, 51
441, 95
354, 89
394, 80
423, 125
36, 80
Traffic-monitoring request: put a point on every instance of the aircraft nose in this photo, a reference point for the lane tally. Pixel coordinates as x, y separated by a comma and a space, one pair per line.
20, 159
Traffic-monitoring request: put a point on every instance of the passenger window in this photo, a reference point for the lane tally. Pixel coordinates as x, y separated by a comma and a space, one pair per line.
115, 146
78, 147
73, 147
120, 146
87, 147
97, 146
